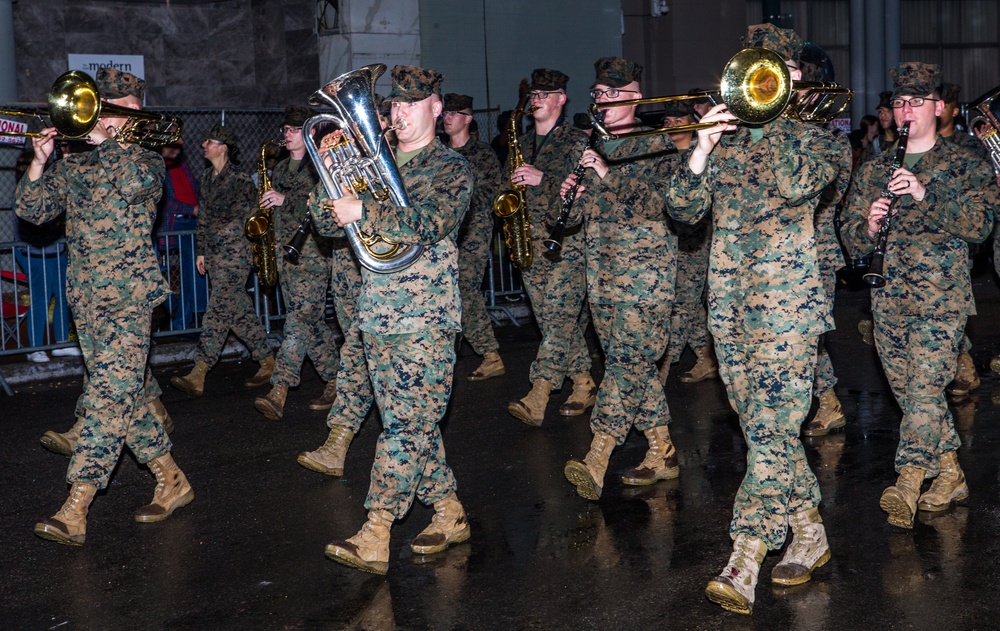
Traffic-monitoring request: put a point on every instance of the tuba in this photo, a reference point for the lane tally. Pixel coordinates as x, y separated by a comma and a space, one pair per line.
362, 162
260, 225
984, 120
509, 204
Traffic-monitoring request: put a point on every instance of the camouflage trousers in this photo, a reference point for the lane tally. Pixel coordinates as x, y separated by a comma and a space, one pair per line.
150, 386
477, 328
354, 386
633, 338
411, 377
918, 356
115, 348
770, 385
305, 332
557, 289
825, 380
689, 320
229, 307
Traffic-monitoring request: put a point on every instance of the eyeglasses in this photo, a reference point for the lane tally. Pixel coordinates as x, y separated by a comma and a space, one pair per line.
454, 113
897, 104
611, 93
541, 96
288, 129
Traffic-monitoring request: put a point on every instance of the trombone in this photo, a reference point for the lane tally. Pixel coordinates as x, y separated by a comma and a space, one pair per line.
757, 88
75, 108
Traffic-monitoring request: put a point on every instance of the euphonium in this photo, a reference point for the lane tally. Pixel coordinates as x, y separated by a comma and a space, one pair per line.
509, 204
260, 225
984, 119
361, 162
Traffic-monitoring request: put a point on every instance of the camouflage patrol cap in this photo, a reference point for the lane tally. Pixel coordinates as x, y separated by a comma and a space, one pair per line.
678, 108
783, 41
115, 84
616, 72
950, 92
223, 134
411, 84
810, 71
884, 100
296, 116
548, 80
457, 102
915, 78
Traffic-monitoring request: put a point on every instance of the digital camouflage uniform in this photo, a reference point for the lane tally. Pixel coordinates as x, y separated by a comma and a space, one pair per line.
766, 301
227, 199
631, 258
408, 321
303, 286
474, 240
921, 312
556, 284
109, 196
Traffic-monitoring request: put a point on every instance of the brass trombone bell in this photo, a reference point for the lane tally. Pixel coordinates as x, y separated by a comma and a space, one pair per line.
756, 87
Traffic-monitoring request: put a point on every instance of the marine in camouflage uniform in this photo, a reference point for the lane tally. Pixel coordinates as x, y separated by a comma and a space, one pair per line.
476, 234
223, 252
109, 196
303, 285
555, 283
631, 258
408, 320
943, 204
767, 307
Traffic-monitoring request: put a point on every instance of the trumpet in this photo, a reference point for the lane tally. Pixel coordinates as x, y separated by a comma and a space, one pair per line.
757, 88
75, 108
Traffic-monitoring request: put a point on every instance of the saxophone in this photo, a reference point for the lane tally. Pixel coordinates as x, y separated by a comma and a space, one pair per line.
509, 204
260, 225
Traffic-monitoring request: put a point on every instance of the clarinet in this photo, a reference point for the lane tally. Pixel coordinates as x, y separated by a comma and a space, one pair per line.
875, 276
294, 245
554, 242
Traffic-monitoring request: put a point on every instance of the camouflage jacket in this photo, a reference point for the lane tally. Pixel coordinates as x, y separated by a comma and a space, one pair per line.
109, 196
556, 156
830, 255
296, 188
926, 262
478, 222
764, 276
425, 295
226, 202
631, 252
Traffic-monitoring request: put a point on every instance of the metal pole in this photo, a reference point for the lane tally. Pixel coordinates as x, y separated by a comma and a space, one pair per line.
8, 72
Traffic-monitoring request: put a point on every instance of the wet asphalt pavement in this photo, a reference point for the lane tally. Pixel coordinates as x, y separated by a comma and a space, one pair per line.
248, 552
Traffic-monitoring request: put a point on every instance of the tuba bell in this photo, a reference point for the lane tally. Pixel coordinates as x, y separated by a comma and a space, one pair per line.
362, 162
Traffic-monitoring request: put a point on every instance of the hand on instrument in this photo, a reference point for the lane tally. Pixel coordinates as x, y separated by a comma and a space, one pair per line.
345, 210
328, 142
876, 214
43, 145
199, 262
708, 137
103, 130
904, 182
593, 160
526, 175
272, 199
568, 185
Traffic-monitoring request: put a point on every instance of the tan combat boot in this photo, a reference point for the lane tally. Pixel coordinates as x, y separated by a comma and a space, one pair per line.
69, 525
966, 378
157, 409
948, 487
172, 491
900, 501
582, 398
325, 401
829, 416
272, 405
660, 462
531, 409
807, 551
705, 368
368, 550
449, 525
192, 383
734, 589
588, 476
63, 443
329, 458
492, 366
263, 375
